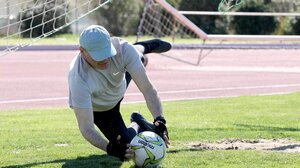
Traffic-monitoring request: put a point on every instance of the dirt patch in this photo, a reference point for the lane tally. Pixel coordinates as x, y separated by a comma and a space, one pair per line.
284, 145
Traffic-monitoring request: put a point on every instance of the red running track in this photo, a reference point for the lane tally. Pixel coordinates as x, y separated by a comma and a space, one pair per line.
38, 79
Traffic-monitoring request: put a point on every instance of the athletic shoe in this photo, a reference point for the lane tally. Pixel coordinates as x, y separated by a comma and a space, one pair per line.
142, 122
155, 46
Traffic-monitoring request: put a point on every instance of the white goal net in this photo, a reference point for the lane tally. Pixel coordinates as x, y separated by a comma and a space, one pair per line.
22, 22
162, 20
158, 22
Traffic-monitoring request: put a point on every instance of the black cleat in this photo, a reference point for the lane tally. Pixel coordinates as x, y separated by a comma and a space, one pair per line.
155, 46
142, 122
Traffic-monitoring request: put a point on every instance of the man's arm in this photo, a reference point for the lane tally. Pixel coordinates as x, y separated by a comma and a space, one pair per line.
85, 121
153, 102
142, 81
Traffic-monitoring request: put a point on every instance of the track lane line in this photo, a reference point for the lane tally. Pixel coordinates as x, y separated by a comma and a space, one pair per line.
169, 92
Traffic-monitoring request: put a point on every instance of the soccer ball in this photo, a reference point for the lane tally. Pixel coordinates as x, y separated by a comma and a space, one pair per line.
149, 148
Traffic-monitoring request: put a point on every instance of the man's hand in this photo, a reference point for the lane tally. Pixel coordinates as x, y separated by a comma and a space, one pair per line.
161, 129
129, 153
119, 149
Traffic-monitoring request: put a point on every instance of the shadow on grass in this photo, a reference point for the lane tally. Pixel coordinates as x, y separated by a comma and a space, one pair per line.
184, 150
287, 147
93, 161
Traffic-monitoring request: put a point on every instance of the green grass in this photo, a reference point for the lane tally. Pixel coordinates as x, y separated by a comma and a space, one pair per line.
73, 39
66, 39
50, 137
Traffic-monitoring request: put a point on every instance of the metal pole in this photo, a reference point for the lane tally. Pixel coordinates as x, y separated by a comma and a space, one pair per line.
8, 17
200, 33
7, 11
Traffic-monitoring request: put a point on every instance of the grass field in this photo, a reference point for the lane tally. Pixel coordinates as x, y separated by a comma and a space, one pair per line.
73, 39
50, 137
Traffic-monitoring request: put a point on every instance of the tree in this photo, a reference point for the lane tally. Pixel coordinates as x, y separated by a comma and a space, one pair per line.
43, 18
267, 1
174, 3
283, 5
296, 26
261, 25
209, 24
120, 17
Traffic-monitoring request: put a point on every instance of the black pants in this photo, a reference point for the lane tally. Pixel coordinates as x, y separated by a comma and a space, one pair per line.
111, 123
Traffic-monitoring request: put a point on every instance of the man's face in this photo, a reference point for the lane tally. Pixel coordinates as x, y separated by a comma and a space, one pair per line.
95, 64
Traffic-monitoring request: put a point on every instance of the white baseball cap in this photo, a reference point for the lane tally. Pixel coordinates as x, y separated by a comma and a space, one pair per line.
96, 40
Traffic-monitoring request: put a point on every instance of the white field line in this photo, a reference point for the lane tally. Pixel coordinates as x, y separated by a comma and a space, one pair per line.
33, 100
222, 89
169, 92
209, 97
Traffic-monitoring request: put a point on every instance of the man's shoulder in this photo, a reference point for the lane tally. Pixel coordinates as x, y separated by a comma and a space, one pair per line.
74, 62
115, 39
123, 47
77, 70
119, 43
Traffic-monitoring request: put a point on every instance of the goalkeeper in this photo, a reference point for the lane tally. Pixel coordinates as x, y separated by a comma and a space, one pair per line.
98, 78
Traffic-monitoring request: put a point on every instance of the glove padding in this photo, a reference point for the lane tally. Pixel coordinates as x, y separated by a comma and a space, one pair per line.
161, 128
116, 148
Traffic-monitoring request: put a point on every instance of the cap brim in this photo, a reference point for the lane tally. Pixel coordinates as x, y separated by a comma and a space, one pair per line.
104, 53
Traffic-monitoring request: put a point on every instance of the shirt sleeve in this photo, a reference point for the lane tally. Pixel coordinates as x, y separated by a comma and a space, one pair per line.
79, 94
132, 58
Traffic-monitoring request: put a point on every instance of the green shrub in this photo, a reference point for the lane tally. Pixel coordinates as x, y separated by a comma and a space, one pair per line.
209, 24
296, 26
120, 18
254, 25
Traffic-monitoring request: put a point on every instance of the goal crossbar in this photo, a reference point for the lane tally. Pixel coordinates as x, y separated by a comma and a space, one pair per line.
255, 37
211, 13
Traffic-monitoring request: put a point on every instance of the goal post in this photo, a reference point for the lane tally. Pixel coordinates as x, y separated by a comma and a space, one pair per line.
182, 19
161, 20
173, 24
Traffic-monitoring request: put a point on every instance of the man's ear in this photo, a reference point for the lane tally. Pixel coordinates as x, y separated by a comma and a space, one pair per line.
81, 49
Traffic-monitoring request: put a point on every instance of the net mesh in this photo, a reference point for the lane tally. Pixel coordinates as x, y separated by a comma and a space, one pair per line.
158, 22
37, 19
188, 47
